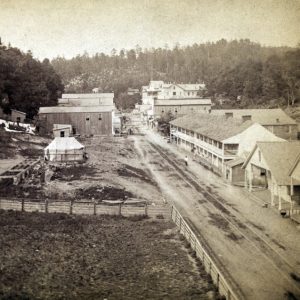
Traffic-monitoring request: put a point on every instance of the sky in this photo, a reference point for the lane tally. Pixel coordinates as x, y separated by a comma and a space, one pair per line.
51, 28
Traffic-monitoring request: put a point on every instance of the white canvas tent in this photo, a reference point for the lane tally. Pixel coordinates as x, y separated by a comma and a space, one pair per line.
64, 149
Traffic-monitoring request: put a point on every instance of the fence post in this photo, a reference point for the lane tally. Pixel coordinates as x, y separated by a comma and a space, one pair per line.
71, 207
120, 209
23, 205
95, 208
46, 206
146, 209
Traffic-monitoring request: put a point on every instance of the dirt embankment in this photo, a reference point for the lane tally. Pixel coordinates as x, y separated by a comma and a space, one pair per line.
113, 172
57, 256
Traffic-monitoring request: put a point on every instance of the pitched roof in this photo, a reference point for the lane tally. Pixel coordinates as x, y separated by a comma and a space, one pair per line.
262, 116
183, 101
234, 162
64, 143
279, 156
90, 95
215, 127
75, 109
192, 87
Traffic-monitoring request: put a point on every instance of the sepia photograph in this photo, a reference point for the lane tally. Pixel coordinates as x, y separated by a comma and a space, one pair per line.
150, 149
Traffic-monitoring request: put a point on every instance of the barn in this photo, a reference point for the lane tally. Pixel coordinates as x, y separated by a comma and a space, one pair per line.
64, 149
85, 120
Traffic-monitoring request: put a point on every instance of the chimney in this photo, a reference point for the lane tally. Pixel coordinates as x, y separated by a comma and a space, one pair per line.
228, 115
246, 118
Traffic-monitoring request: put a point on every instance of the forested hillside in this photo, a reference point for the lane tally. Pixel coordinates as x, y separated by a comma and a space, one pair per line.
263, 76
26, 83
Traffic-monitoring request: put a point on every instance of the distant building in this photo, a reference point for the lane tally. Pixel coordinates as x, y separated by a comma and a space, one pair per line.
85, 120
179, 107
94, 99
216, 140
131, 91
178, 99
62, 130
87, 114
271, 165
275, 120
18, 116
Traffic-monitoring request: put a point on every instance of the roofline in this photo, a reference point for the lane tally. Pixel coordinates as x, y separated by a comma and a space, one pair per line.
18, 111
294, 165
249, 157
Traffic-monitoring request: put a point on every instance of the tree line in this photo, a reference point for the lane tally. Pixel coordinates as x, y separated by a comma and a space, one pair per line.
242, 70
26, 83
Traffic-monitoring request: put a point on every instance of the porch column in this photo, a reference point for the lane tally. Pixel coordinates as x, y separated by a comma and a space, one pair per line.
246, 179
272, 194
250, 179
279, 198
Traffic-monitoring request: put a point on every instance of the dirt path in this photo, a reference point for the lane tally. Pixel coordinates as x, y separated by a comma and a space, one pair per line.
259, 259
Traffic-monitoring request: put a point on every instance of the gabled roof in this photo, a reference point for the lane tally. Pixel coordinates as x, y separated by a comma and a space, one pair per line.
279, 156
75, 109
235, 162
19, 112
215, 127
64, 143
183, 101
262, 116
294, 165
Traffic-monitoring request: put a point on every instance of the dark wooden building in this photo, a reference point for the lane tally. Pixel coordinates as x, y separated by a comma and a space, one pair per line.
85, 120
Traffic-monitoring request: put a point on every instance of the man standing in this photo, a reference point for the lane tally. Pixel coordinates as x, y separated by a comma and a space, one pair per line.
186, 160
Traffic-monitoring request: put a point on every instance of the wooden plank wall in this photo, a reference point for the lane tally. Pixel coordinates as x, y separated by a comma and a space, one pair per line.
78, 120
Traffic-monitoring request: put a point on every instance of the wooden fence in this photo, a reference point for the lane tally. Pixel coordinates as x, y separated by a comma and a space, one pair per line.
218, 278
90, 208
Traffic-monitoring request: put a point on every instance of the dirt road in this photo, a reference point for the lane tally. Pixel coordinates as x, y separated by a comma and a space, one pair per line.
258, 249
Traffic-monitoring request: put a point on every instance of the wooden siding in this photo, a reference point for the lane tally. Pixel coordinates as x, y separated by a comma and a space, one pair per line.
79, 121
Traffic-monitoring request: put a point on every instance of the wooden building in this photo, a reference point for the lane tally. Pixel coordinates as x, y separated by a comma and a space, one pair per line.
275, 120
180, 107
62, 130
93, 99
17, 116
85, 120
270, 165
216, 140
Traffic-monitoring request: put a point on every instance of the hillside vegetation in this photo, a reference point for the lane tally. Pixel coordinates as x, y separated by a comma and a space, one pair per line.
261, 76
26, 83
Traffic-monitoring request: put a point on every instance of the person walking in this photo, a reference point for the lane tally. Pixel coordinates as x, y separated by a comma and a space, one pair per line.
186, 160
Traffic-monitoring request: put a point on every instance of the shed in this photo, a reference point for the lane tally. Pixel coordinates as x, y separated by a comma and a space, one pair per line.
18, 116
62, 130
64, 149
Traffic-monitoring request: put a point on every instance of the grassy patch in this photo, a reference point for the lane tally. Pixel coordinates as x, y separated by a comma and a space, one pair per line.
57, 256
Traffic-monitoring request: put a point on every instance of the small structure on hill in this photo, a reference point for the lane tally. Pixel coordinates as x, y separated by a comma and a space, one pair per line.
64, 149
17, 116
62, 130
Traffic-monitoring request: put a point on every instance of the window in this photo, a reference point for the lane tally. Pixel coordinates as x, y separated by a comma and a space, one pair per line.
100, 117
87, 118
259, 155
188, 93
176, 110
18, 119
162, 111
62, 134
174, 93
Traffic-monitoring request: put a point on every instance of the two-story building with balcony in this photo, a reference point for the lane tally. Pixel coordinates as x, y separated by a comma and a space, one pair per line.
275, 120
216, 140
